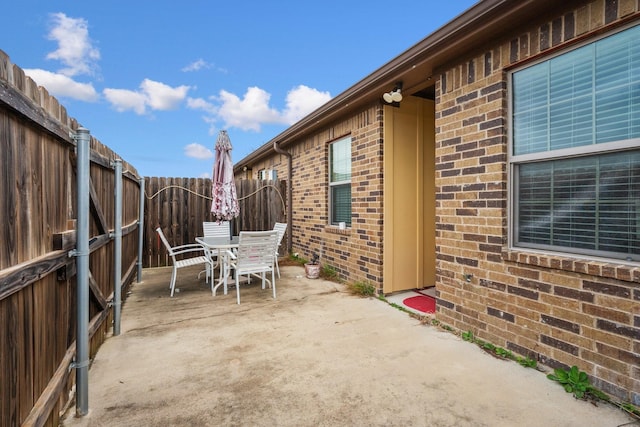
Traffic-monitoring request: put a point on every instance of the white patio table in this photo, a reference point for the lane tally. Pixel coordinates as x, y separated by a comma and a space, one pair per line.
221, 245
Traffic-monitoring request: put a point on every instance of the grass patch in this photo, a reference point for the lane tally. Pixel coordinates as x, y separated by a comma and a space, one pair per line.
292, 259
328, 272
364, 289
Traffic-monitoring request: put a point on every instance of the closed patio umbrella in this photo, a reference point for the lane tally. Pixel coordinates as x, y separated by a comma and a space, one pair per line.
225, 200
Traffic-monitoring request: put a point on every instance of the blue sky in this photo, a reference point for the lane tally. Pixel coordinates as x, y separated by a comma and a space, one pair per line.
157, 80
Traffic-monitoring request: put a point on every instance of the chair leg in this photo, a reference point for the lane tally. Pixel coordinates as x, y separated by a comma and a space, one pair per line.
273, 284
277, 266
226, 270
172, 285
238, 287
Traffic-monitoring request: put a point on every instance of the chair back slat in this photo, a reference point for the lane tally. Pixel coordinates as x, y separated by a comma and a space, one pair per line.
217, 229
281, 228
256, 249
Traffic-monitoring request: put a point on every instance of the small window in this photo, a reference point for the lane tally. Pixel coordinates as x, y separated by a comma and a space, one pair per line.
340, 182
267, 174
575, 153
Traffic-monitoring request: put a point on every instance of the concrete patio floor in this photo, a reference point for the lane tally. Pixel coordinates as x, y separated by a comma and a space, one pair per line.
315, 356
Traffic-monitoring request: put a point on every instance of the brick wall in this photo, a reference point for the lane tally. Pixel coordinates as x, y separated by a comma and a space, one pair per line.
562, 311
355, 253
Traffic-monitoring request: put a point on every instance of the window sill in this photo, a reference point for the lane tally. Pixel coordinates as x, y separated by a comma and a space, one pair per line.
611, 269
335, 230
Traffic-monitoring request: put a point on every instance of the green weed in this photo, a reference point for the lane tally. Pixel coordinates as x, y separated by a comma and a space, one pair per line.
467, 336
574, 381
527, 362
329, 273
364, 289
503, 353
577, 382
488, 346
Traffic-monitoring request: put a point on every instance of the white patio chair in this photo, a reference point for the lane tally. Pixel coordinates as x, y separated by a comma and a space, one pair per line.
255, 257
281, 228
214, 229
184, 262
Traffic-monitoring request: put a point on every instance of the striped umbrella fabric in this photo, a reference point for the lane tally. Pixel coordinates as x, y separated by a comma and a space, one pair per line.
224, 206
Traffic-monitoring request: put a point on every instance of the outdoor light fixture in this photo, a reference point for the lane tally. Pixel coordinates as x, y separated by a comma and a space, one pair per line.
395, 95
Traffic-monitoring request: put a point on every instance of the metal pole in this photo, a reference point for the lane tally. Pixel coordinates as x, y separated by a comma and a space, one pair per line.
82, 279
117, 232
140, 229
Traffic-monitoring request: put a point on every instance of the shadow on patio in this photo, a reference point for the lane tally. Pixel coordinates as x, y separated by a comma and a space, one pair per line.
315, 356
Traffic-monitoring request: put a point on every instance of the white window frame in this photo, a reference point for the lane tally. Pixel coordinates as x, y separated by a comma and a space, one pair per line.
514, 161
332, 184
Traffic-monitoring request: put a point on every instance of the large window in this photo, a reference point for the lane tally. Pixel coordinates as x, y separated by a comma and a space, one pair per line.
575, 153
340, 182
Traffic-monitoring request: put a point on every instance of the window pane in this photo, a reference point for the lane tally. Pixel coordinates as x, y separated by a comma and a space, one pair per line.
574, 190
530, 115
617, 87
535, 203
588, 96
341, 204
340, 160
589, 203
620, 203
571, 99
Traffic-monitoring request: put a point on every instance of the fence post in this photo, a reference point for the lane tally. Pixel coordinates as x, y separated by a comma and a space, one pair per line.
82, 280
117, 234
140, 228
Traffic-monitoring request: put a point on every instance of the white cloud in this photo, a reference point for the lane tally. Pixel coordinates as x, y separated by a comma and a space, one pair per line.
197, 65
205, 175
252, 111
201, 104
201, 64
62, 86
161, 96
197, 151
124, 100
75, 48
248, 113
301, 101
153, 95
76, 52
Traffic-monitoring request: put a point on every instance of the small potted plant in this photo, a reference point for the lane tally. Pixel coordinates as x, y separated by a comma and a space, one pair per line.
312, 268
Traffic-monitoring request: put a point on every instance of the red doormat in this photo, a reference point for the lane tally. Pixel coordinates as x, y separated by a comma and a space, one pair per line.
423, 303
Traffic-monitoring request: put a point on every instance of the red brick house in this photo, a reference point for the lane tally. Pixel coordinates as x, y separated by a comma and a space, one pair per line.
508, 177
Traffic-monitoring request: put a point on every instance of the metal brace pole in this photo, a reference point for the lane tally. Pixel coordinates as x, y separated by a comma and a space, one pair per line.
82, 279
140, 228
117, 279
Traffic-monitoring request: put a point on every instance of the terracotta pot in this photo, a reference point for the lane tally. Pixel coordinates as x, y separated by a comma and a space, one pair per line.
312, 270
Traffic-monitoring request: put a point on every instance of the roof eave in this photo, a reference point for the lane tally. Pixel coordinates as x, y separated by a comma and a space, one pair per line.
477, 25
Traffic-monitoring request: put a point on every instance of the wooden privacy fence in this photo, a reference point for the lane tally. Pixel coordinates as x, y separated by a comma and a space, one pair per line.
37, 231
180, 205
